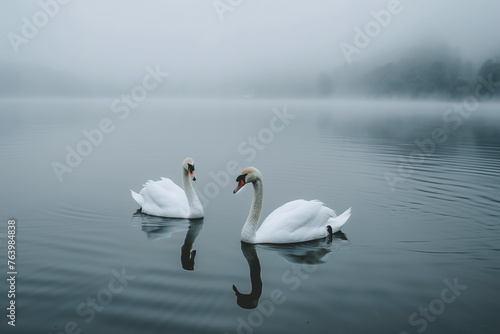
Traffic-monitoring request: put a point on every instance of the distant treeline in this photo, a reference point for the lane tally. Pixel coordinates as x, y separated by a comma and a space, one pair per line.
434, 73
449, 78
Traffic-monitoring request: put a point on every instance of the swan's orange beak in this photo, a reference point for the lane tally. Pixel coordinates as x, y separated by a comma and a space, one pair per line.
241, 183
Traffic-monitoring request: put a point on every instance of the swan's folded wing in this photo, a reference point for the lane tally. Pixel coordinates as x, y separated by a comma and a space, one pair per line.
162, 202
299, 213
169, 185
295, 221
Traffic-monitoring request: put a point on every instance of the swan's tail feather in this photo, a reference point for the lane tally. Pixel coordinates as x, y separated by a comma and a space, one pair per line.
137, 197
337, 223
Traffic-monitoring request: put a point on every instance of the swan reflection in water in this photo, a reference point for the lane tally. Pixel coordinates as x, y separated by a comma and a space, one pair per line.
309, 252
306, 253
157, 228
250, 300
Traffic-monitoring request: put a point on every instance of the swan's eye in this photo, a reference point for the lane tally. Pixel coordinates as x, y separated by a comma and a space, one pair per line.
190, 168
241, 178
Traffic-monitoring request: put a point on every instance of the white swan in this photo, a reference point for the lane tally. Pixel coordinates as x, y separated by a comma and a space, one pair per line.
166, 199
295, 221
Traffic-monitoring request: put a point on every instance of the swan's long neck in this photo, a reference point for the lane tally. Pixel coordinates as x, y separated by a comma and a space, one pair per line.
192, 198
250, 227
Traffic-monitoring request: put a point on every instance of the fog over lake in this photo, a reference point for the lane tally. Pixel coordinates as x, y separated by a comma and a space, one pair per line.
390, 108
234, 49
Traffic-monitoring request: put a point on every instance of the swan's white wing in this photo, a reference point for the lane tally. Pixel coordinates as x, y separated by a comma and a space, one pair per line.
164, 198
170, 186
295, 221
196, 209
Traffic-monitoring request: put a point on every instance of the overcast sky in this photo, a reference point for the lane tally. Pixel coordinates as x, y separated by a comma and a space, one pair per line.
115, 40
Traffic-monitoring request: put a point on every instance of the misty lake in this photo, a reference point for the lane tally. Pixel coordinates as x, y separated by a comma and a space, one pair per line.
420, 252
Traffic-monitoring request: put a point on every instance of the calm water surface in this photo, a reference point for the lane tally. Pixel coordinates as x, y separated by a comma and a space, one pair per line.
420, 252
